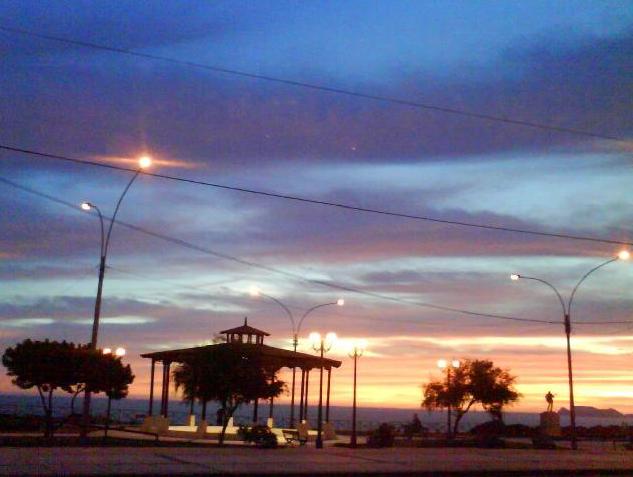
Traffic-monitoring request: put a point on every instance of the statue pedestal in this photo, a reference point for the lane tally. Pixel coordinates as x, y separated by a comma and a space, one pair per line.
550, 424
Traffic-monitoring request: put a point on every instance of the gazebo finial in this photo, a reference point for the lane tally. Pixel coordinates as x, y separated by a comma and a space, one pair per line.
246, 321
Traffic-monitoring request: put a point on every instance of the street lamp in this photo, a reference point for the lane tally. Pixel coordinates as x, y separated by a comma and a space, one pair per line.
321, 345
622, 255
256, 292
444, 364
357, 352
144, 162
119, 353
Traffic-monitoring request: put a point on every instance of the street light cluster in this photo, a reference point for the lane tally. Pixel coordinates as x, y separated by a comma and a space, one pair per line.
448, 365
143, 163
358, 348
119, 352
566, 307
255, 291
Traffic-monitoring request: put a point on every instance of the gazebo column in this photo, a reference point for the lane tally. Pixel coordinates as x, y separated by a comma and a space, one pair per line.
162, 393
305, 400
303, 377
150, 412
272, 399
166, 366
192, 416
327, 401
255, 410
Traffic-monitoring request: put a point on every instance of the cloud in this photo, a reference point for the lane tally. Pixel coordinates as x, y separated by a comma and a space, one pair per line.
228, 123
275, 137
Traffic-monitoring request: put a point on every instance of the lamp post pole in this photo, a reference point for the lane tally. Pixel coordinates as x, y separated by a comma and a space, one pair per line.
105, 243
444, 364
449, 432
357, 352
566, 307
321, 345
296, 329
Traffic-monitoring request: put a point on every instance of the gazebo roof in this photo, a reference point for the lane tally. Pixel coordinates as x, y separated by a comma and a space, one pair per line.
245, 329
274, 357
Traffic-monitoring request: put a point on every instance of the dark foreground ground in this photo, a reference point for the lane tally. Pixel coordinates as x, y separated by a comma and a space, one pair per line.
303, 461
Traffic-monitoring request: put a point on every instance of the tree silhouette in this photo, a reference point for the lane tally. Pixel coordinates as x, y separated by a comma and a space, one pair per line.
231, 374
50, 365
106, 373
46, 366
474, 382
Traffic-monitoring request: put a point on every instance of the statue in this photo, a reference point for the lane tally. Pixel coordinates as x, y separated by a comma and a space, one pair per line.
549, 397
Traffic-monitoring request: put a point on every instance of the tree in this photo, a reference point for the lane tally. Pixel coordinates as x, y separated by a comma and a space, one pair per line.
44, 365
106, 373
50, 365
232, 374
474, 382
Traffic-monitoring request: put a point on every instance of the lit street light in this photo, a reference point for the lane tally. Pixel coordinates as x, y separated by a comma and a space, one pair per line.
296, 329
444, 364
321, 345
144, 162
357, 352
623, 255
119, 353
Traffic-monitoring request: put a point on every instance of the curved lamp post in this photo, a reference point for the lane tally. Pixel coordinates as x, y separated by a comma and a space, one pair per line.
623, 255
143, 163
448, 365
357, 352
296, 329
321, 344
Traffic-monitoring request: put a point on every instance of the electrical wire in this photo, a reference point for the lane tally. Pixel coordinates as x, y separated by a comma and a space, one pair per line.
294, 276
299, 199
316, 87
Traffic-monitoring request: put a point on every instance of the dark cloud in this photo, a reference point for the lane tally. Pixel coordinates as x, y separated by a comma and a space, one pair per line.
125, 24
233, 122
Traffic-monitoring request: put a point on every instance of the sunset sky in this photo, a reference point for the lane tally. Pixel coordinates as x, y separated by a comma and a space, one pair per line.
565, 64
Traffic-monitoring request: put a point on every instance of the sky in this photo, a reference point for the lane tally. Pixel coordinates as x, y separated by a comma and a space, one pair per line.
564, 64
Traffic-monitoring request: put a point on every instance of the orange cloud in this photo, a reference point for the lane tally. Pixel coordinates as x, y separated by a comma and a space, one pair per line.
132, 162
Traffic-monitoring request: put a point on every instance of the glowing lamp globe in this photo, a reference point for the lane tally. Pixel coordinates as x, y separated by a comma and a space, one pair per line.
144, 162
330, 338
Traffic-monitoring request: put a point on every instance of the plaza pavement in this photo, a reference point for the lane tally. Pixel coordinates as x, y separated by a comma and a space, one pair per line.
240, 460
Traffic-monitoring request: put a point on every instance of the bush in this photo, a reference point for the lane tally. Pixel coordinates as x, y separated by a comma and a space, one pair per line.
261, 436
12, 423
489, 434
384, 436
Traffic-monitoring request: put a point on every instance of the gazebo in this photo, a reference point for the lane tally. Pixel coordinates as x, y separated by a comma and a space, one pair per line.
273, 359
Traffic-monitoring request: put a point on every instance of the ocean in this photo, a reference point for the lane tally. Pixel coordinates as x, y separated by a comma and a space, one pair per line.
133, 410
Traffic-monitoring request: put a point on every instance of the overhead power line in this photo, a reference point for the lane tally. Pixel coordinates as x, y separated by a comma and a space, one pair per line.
294, 276
317, 87
338, 205
216, 254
